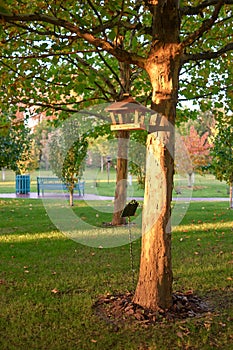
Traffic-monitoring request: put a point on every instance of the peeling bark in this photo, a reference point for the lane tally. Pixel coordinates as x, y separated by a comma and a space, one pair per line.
154, 288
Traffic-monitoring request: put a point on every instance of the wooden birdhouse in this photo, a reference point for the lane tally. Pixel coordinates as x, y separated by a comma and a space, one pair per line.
127, 114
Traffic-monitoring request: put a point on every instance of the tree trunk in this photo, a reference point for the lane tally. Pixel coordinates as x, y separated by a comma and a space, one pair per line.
122, 157
102, 164
154, 288
155, 278
121, 180
3, 174
231, 196
71, 197
190, 179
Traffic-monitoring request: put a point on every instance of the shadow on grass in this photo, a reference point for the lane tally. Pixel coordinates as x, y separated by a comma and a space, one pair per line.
221, 300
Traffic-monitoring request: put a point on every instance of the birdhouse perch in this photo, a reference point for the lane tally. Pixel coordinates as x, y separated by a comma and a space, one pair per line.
127, 114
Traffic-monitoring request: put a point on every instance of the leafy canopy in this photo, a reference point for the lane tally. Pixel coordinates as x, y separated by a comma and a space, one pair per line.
64, 55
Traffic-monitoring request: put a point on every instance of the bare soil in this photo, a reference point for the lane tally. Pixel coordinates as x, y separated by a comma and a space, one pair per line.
119, 308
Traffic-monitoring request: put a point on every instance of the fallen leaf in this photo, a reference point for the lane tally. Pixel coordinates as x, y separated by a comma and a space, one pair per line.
222, 324
207, 325
179, 334
55, 291
220, 253
93, 341
189, 292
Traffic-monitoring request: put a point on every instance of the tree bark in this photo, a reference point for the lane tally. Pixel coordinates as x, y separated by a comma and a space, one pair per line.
190, 179
154, 287
231, 196
155, 278
71, 197
122, 157
121, 177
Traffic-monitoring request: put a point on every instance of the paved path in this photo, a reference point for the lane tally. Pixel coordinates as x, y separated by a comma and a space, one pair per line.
87, 197
34, 195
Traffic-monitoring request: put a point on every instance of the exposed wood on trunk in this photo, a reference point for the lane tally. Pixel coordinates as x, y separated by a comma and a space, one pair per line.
155, 279
154, 288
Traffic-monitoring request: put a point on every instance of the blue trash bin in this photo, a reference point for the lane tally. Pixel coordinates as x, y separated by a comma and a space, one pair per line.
22, 184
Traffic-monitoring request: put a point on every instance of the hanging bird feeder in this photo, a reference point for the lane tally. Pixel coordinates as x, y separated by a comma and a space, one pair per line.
127, 114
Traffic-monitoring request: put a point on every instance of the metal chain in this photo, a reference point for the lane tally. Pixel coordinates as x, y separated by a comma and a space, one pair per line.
131, 251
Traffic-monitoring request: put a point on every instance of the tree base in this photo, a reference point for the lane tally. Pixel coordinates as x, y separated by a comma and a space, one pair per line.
119, 308
110, 224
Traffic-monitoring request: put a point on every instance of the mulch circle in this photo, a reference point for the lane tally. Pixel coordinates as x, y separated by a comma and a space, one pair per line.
119, 308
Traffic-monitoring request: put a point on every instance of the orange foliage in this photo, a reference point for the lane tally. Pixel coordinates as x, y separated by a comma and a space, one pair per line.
198, 147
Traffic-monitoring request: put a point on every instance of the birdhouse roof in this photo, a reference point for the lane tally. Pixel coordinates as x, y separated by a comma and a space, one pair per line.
127, 105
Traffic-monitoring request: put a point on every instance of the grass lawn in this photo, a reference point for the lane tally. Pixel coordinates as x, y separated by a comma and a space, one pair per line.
49, 283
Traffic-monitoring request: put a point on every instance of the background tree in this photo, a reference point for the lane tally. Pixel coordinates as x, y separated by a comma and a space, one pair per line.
137, 164
222, 153
40, 136
67, 153
15, 146
198, 148
100, 148
175, 46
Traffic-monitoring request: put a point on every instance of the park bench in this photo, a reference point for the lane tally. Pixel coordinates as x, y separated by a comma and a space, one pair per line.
54, 183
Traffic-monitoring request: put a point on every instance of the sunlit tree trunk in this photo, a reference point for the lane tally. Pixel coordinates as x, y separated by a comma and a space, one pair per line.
154, 287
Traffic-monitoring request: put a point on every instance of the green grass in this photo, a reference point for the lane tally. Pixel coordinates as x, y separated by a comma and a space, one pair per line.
97, 183
48, 283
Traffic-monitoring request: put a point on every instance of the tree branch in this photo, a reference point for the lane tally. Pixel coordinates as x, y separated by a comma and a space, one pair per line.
208, 55
60, 106
45, 55
110, 68
120, 54
107, 81
196, 10
206, 25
